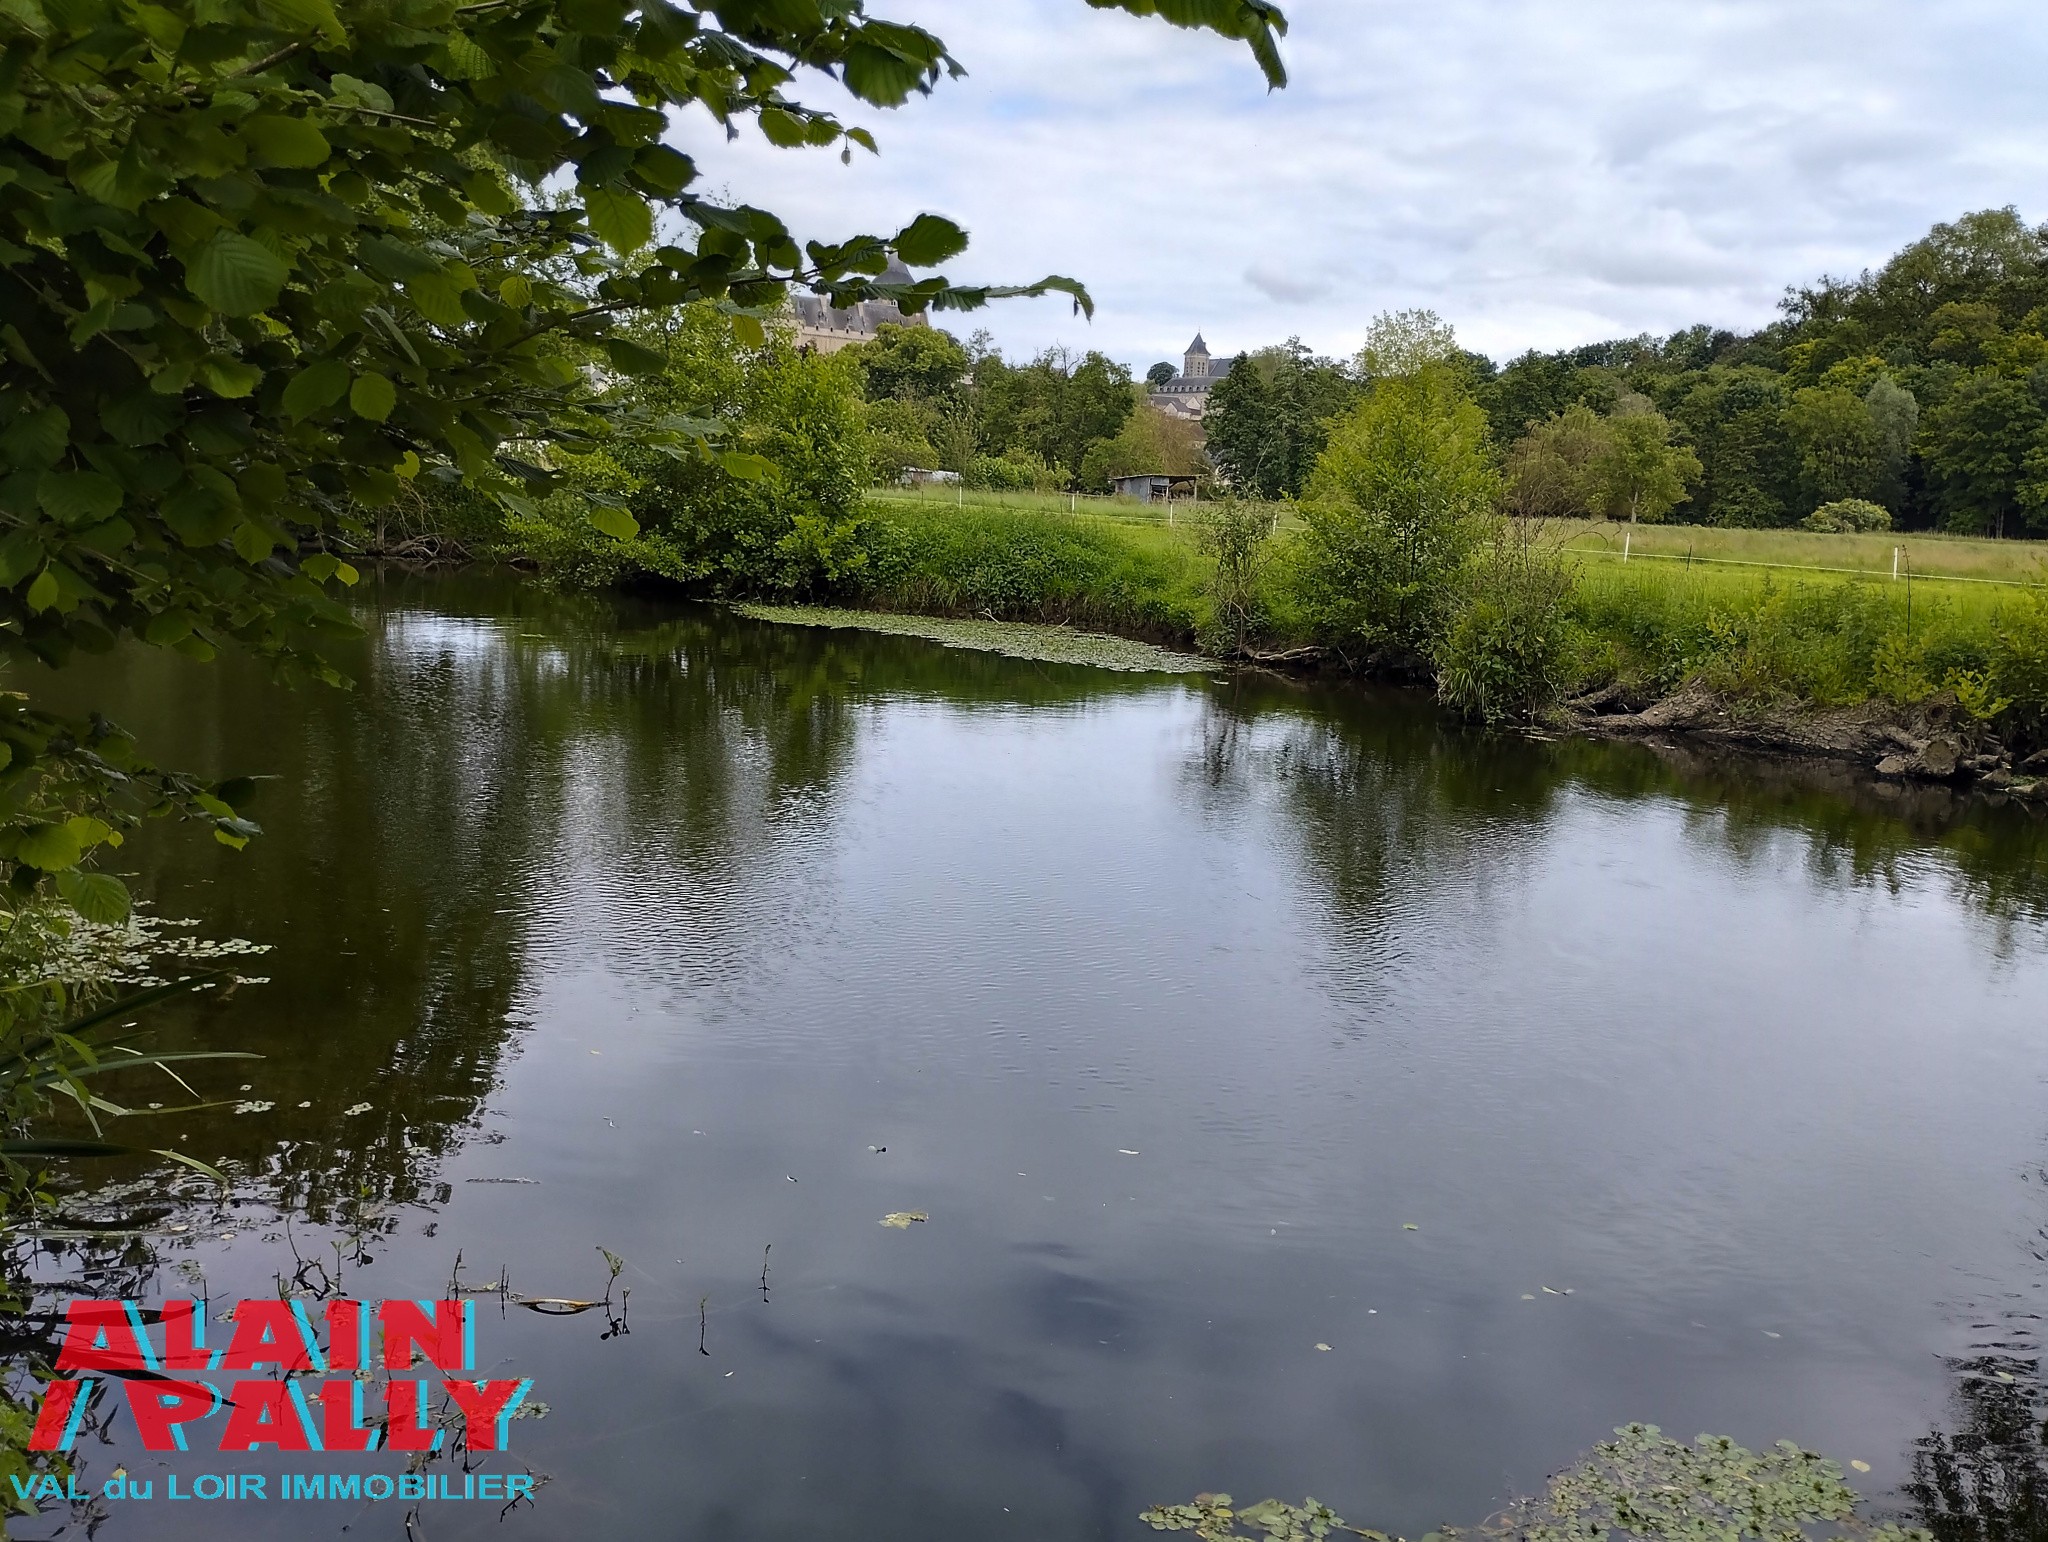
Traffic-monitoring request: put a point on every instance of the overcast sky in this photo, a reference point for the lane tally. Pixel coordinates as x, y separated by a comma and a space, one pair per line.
1539, 172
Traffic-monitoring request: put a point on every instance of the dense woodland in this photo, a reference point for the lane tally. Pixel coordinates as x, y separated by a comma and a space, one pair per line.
1920, 387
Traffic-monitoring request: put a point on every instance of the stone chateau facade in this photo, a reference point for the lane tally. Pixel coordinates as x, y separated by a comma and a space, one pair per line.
826, 328
1186, 395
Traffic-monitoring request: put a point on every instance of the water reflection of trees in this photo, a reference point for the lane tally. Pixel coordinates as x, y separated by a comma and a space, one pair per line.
1379, 787
521, 781
1986, 1479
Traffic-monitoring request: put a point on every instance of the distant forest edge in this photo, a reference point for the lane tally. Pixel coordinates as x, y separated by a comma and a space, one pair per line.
1921, 388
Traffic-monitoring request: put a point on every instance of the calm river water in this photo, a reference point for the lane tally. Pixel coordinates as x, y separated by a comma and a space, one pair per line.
1306, 1095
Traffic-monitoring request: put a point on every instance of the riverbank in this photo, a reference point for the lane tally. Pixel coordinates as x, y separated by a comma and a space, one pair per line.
1781, 641
1768, 644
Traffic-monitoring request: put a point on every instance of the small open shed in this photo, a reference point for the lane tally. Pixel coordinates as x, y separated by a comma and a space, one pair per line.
1156, 486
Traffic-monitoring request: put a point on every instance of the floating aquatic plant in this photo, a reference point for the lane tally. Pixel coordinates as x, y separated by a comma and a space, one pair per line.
1013, 639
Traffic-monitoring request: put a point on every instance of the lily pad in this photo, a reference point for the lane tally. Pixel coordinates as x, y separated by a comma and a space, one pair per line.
1013, 639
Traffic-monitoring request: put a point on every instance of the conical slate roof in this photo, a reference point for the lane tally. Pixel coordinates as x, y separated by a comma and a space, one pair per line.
1197, 346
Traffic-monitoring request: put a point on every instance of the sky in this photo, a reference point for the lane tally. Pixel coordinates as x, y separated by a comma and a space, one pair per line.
1541, 173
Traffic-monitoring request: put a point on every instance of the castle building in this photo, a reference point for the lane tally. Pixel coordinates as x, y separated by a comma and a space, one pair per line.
826, 328
1186, 395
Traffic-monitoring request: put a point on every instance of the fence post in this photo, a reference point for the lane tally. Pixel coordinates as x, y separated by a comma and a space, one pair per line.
1895, 564
1626, 537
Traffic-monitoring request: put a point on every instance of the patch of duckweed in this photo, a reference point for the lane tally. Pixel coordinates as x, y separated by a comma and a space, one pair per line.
1013, 639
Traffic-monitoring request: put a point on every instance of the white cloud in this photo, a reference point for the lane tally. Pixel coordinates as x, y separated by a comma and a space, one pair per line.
1539, 172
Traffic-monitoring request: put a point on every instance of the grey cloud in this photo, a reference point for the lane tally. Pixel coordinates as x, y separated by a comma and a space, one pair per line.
1542, 173
1285, 288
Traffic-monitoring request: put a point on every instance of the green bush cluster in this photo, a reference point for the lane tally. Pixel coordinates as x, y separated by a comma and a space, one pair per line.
1847, 516
1507, 652
1015, 471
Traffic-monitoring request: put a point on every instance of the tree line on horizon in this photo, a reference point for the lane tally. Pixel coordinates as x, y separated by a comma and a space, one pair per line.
1919, 389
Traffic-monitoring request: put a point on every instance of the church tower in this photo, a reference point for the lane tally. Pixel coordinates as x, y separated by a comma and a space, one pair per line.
1195, 363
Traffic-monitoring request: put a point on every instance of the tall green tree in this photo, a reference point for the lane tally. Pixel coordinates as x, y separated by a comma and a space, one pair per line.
1734, 419
1550, 469
1396, 504
1895, 412
1149, 441
1976, 444
913, 364
1841, 447
1638, 473
1269, 418
1052, 408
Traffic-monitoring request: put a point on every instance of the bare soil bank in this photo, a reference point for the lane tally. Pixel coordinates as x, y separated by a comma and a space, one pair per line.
1930, 742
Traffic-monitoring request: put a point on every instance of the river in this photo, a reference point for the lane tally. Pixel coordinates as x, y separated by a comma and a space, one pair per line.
1307, 1095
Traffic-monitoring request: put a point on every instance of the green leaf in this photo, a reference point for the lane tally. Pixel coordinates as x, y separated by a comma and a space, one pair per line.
348, 88
98, 897
252, 542
109, 536
231, 378
142, 418
78, 497
282, 141
198, 516
310, 16
438, 295
195, 1164
44, 592
317, 386
621, 219
633, 358
167, 627
468, 60
372, 397
665, 170
37, 438
21, 553
616, 523
321, 567
883, 76
748, 468
235, 275
929, 240
781, 128
51, 848
53, 1146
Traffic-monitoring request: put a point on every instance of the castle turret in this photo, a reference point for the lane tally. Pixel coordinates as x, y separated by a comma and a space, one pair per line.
1195, 363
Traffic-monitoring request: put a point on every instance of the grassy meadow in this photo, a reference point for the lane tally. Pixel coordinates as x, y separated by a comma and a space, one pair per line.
1764, 614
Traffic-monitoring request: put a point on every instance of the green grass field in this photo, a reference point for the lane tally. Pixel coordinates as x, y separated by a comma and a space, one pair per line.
1921, 554
1115, 511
